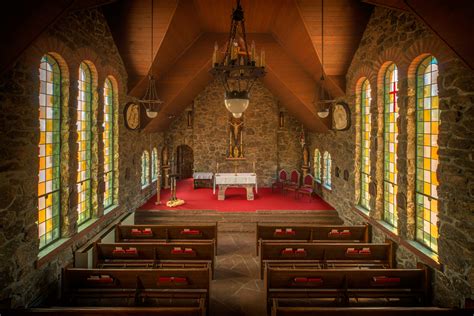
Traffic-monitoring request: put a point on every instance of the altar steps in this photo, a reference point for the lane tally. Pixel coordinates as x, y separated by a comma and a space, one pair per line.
237, 221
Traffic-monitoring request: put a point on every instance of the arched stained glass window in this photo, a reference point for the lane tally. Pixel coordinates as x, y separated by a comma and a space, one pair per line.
108, 139
427, 123
327, 170
84, 138
145, 169
317, 165
365, 144
49, 197
154, 164
390, 145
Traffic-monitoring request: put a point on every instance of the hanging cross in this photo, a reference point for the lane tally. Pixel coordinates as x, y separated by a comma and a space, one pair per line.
395, 93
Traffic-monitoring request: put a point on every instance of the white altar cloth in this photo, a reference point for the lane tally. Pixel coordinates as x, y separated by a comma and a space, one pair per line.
236, 179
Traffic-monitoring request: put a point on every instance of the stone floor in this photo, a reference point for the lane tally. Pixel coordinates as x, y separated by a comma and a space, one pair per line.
237, 289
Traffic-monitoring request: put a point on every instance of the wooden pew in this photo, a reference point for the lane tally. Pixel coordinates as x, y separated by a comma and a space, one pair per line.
347, 287
326, 255
154, 255
199, 310
135, 287
279, 310
277, 232
166, 232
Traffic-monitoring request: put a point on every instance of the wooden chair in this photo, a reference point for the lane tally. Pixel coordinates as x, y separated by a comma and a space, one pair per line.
307, 188
281, 180
294, 183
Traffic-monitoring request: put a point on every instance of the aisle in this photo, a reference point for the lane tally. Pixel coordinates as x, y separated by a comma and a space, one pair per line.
237, 290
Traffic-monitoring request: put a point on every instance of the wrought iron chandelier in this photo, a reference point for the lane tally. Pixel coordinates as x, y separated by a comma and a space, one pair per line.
150, 100
239, 68
324, 99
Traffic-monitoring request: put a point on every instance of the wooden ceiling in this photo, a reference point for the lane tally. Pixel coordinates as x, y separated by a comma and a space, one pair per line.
185, 30
288, 30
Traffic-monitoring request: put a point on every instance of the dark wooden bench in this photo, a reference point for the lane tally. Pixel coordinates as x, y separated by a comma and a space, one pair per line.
279, 309
348, 287
135, 287
267, 232
166, 232
326, 255
116, 311
154, 255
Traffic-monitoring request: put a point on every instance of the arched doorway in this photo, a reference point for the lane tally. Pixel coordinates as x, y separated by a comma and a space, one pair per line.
185, 161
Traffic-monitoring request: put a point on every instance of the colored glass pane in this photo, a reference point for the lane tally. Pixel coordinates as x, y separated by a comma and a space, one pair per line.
154, 164
317, 165
145, 169
108, 139
49, 198
327, 169
390, 144
427, 121
84, 138
365, 99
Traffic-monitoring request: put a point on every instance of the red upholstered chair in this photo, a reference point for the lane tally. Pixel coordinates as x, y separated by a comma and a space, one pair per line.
307, 188
294, 183
281, 180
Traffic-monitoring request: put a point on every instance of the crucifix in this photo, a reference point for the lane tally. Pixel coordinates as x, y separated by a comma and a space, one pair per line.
394, 92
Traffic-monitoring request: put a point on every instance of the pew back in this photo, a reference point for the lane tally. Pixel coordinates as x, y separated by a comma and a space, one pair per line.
326, 254
310, 233
344, 284
145, 233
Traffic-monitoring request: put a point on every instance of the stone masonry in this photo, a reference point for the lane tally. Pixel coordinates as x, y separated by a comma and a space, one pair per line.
79, 36
398, 37
270, 146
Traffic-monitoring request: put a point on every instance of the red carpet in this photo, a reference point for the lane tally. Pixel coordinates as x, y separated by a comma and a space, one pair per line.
236, 200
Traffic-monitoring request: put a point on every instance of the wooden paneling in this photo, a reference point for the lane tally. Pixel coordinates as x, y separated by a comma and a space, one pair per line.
344, 23
130, 22
215, 15
182, 31
286, 79
452, 23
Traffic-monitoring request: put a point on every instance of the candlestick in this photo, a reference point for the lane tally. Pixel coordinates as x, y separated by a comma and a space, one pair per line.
254, 167
252, 51
214, 55
217, 169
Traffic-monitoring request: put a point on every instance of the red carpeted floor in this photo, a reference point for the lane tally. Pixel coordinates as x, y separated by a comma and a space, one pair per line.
236, 200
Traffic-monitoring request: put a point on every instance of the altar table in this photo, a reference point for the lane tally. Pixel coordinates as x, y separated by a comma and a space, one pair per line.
239, 180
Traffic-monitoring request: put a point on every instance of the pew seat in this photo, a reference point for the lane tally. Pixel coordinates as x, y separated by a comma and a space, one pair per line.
280, 308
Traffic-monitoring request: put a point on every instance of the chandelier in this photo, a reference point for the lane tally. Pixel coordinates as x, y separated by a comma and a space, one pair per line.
238, 69
150, 100
324, 99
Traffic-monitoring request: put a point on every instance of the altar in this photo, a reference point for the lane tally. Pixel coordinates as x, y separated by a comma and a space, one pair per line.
238, 180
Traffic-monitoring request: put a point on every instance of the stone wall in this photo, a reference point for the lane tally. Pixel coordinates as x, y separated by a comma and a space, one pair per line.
393, 36
26, 278
265, 143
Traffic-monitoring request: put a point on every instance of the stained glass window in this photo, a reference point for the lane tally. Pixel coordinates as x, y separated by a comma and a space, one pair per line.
317, 165
327, 169
108, 139
84, 137
365, 144
390, 145
145, 169
427, 123
154, 164
49, 197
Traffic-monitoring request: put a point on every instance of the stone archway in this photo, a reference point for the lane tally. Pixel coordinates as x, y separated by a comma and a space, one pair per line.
184, 161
